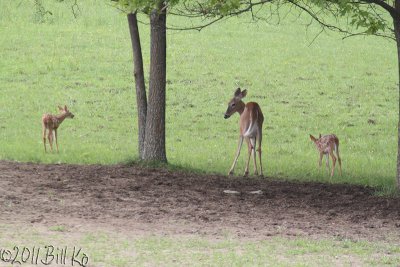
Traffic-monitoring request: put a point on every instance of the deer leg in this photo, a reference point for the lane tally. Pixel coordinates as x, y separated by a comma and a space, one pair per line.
339, 159
333, 163
44, 138
327, 163
55, 135
249, 150
321, 155
253, 151
50, 137
259, 136
237, 155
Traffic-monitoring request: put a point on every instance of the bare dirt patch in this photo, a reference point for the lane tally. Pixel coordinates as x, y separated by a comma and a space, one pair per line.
160, 201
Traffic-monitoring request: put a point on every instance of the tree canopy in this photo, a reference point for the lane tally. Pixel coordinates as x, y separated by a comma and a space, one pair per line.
360, 17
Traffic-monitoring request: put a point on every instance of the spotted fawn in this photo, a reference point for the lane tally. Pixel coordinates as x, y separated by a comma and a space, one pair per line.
326, 145
51, 123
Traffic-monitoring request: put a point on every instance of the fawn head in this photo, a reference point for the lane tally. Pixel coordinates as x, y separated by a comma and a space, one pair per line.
65, 111
315, 139
235, 104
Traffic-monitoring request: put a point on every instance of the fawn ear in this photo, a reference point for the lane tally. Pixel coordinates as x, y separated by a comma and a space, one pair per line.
244, 93
65, 108
60, 108
312, 138
237, 92
320, 135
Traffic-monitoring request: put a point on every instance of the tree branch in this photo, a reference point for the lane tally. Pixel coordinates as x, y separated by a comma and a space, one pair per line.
392, 11
201, 12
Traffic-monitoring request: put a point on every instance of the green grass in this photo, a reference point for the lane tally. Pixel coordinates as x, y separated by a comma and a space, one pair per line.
58, 228
330, 86
129, 249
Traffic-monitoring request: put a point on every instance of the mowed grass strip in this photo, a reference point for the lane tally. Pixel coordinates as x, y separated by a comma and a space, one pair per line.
330, 86
137, 249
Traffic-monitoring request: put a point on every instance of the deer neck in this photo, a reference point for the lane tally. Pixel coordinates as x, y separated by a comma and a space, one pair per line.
241, 106
60, 118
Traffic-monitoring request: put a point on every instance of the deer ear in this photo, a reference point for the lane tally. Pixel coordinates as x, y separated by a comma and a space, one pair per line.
312, 138
320, 135
60, 108
65, 107
244, 93
237, 92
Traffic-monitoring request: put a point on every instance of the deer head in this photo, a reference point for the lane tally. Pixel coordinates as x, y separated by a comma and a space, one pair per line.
66, 112
313, 138
235, 104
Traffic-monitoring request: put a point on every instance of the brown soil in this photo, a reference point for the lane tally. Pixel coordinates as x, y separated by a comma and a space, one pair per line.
160, 201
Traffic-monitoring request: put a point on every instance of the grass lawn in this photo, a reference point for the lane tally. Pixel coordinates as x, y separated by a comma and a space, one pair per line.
347, 87
104, 248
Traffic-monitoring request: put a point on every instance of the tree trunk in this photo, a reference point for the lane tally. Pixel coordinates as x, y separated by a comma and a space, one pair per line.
396, 23
154, 149
139, 80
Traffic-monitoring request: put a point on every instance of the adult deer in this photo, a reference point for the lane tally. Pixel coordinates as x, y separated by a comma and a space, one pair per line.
51, 123
251, 120
326, 145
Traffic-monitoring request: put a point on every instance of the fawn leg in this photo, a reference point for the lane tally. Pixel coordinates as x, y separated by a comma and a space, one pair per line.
259, 136
327, 163
333, 163
44, 138
55, 135
321, 155
237, 155
50, 137
253, 151
339, 159
249, 150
